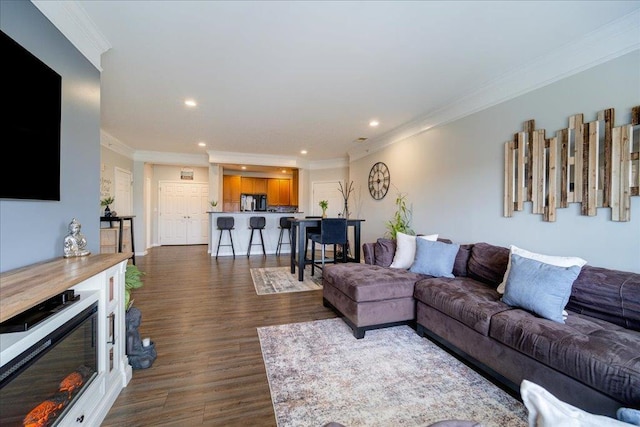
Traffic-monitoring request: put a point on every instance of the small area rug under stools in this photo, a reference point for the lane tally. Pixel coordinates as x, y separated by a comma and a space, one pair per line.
319, 372
274, 280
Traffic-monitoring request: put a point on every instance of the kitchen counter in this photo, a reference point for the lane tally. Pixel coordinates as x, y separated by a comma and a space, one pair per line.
242, 233
256, 213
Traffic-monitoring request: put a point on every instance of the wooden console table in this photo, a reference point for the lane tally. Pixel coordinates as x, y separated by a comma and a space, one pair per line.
120, 220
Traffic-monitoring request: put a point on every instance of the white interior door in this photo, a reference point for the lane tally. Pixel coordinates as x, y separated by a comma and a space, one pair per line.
329, 191
172, 225
197, 217
123, 199
182, 212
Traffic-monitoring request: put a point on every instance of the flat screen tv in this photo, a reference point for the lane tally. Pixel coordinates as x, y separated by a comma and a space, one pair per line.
30, 125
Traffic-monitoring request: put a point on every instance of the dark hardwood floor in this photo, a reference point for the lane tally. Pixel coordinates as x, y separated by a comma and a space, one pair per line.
202, 315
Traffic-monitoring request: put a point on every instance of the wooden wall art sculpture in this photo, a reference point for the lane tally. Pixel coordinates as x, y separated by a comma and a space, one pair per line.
594, 163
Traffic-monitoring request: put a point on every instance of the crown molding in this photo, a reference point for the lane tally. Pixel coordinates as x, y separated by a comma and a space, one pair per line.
112, 143
74, 23
604, 44
255, 159
164, 158
216, 157
329, 164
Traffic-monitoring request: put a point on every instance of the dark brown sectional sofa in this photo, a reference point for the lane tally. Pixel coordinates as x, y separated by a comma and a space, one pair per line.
592, 361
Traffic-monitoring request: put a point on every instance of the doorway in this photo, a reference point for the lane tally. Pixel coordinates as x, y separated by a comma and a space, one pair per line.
122, 196
182, 213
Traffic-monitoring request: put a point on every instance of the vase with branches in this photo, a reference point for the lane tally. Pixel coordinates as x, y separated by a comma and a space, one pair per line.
346, 192
401, 221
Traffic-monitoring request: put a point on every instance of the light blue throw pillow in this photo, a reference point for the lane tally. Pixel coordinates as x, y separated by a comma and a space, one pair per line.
629, 415
434, 258
538, 287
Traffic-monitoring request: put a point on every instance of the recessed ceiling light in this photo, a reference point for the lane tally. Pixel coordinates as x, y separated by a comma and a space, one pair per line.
202, 144
243, 168
374, 123
284, 171
303, 151
190, 102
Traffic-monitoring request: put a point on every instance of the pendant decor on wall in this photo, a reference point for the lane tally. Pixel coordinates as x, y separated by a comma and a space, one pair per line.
594, 163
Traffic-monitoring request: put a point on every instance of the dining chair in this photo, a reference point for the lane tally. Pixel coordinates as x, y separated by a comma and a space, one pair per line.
309, 232
333, 231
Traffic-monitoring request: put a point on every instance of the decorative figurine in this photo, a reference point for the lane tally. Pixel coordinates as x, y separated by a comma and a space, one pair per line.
75, 242
140, 356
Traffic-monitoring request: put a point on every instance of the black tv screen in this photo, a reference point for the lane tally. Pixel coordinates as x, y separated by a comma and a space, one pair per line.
30, 125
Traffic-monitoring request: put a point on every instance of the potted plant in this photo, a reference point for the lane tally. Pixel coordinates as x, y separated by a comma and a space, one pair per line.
213, 204
132, 280
141, 353
401, 221
324, 205
106, 202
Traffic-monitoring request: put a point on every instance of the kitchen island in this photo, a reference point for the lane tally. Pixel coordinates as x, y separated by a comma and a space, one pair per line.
242, 233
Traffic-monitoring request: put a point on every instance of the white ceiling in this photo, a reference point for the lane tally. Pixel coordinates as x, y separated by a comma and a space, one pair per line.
278, 77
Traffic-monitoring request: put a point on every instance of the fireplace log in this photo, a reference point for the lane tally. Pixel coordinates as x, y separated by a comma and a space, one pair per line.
43, 414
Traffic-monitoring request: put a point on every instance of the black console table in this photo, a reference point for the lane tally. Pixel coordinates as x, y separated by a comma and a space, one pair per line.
120, 220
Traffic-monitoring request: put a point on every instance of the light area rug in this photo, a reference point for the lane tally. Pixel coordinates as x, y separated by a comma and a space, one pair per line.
274, 280
319, 372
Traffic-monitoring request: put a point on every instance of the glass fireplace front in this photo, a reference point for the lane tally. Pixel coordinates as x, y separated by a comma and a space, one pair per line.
39, 386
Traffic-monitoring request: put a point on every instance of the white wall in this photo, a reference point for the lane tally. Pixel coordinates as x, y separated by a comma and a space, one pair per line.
453, 174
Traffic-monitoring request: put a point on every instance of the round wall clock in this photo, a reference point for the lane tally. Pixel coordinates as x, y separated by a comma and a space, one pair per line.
379, 180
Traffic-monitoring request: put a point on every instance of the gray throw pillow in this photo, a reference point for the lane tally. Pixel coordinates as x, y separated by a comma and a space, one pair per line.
538, 287
384, 250
434, 258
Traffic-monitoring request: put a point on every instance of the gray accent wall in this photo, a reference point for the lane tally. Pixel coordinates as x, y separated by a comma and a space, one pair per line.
453, 174
33, 231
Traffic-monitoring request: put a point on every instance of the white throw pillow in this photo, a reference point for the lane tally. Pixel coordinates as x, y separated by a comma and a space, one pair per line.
406, 249
545, 410
558, 261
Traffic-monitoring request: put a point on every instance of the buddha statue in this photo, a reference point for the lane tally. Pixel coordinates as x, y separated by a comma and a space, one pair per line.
75, 243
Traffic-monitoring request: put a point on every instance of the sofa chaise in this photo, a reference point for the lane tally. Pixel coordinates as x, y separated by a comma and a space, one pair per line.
591, 361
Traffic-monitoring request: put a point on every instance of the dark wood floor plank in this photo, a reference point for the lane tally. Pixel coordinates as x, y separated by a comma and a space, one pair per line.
202, 315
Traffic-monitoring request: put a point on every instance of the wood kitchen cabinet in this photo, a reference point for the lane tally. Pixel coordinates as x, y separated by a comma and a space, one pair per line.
231, 189
273, 192
285, 192
278, 192
253, 185
294, 188
260, 185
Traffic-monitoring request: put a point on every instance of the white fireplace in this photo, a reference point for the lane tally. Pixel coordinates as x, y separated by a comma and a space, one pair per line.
68, 368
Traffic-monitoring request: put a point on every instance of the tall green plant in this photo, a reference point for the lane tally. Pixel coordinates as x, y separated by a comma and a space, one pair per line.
401, 221
132, 280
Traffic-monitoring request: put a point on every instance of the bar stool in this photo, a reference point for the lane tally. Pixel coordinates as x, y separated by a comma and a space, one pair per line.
285, 224
256, 223
225, 223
